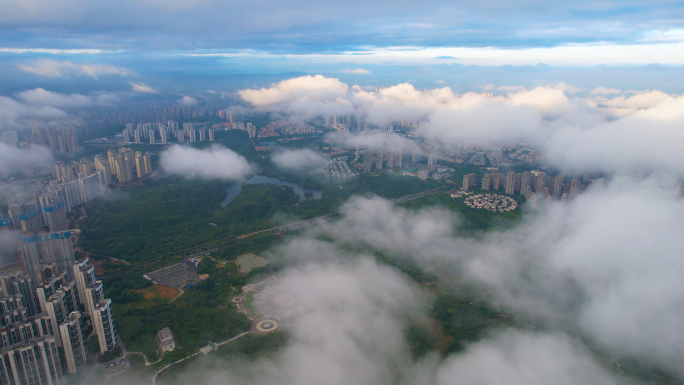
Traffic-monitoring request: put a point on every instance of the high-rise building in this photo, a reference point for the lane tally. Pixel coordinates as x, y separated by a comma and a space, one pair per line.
8, 249
211, 135
126, 138
139, 164
84, 276
468, 182
379, 158
163, 136
558, 186
94, 294
111, 156
91, 186
192, 136
72, 332
150, 133
30, 255
103, 323
540, 182
24, 286
136, 136
125, 165
510, 183
30, 218
147, 163
103, 164
202, 135
35, 363
432, 160
10, 138
56, 216
56, 248
55, 309
485, 182
575, 186
525, 181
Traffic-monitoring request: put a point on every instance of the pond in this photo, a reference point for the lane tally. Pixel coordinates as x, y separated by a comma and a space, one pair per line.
234, 189
248, 262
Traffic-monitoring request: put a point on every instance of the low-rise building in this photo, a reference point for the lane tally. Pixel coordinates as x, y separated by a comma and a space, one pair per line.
165, 340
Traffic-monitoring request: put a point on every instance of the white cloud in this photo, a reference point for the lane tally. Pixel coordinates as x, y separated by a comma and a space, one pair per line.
142, 88
13, 159
604, 267
575, 133
605, 91
358, 71
187, 101
306, 95
215, 162
516, 358
298, 160
375, 140
11, 111
53, 68
43, 97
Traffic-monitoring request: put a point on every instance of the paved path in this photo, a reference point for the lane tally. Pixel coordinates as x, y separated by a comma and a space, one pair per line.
147, 363
153, 377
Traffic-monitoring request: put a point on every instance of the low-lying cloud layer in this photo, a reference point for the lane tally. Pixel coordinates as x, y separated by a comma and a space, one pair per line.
41, 103
215, 162
13, 159
301, 160
604, 130
142, 88
57, 69
605, 266
355, 333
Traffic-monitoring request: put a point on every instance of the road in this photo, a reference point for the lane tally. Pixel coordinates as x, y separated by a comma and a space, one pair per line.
153, 377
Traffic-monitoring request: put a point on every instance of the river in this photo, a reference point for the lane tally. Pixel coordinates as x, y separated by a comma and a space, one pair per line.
234, 190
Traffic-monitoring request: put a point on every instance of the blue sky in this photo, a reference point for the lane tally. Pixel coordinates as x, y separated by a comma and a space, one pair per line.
458, 43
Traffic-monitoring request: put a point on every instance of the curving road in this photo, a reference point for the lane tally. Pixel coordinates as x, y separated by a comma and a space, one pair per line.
153, 377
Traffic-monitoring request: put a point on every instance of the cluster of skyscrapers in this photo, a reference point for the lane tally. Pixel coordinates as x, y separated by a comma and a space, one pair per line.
49, 302
378, 159
124, 164
162, 133
60, 138
527, 184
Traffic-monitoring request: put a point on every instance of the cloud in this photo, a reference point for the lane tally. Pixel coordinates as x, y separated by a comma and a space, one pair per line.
298, 160
604, 267
216, 162
358, 71
11, 111
43, 97
13, 159
187, 101
574, 133
142, 88
376, 140
52, 69
370, 306
516, 358
303, 96
605, 91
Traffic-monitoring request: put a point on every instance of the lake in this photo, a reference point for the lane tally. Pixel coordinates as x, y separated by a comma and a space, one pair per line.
234, 189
